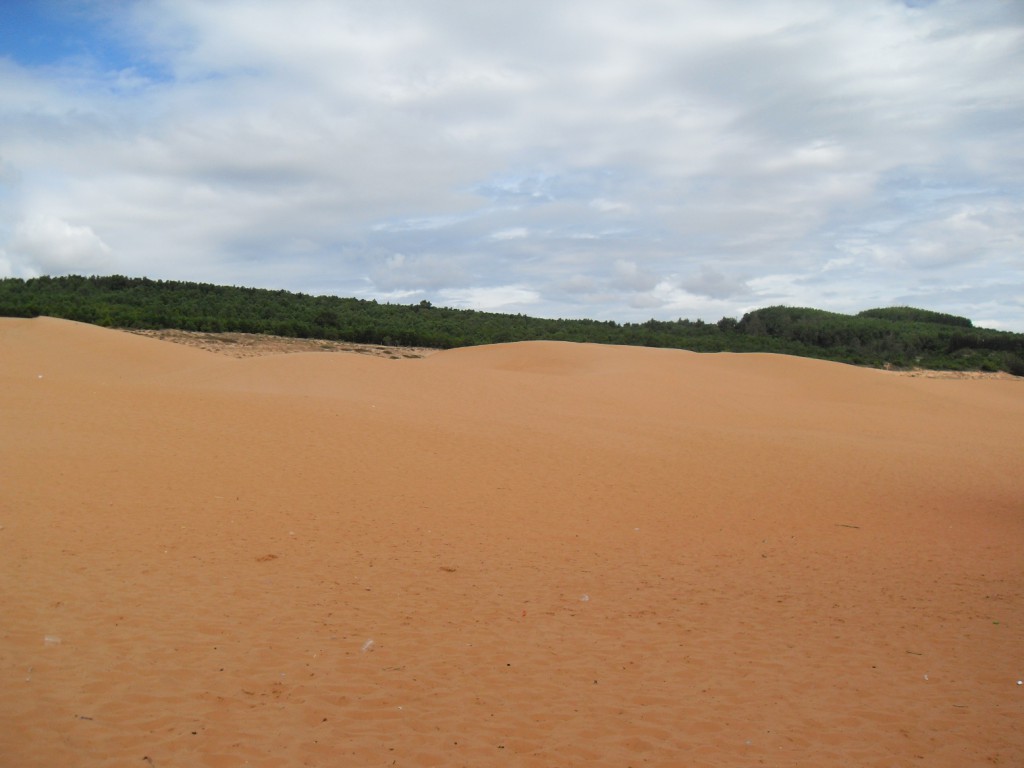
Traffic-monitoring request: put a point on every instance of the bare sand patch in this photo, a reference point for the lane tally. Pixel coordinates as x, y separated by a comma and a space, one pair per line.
528, 554
259, 344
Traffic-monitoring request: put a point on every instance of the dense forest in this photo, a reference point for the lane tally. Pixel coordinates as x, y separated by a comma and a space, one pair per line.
896, 336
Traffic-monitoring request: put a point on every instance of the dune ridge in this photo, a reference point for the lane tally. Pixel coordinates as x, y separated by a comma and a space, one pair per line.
530, 554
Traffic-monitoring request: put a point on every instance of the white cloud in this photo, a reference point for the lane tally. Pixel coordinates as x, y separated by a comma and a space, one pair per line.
514, 233
609, 206
495, 298
47, 245
401, 272
630, 277
714, 284
607, 158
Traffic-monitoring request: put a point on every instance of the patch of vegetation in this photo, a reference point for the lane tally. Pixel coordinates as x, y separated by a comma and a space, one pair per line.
902, 337
914, 315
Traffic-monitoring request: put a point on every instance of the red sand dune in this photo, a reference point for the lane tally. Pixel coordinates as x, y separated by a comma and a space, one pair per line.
535, 554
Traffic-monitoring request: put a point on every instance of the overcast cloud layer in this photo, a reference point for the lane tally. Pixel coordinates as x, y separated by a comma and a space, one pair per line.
578, 158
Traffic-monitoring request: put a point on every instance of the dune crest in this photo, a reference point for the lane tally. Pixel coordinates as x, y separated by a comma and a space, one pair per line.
532, 554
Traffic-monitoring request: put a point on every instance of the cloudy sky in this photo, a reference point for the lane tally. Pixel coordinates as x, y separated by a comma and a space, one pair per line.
613, 159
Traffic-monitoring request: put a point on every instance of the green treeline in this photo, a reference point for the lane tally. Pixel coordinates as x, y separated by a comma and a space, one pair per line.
895, 336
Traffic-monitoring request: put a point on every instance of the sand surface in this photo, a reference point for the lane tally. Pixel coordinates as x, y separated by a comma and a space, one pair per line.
260, 344
536, 554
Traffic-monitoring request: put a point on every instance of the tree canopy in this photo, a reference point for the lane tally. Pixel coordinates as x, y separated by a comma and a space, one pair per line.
892, 336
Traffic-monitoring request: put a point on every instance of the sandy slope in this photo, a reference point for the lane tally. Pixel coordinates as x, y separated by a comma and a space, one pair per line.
258, 344
532, 554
